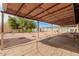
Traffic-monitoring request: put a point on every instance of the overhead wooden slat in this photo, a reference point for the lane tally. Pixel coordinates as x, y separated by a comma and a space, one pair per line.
25, 9
46, 9
70, 17
19, 8
55, 21
42, 8
38, 10
67, 23
57, 9
67, 14
60, 12
10, 11
57, 16
56, 13
13, 6
34, 9
65, 20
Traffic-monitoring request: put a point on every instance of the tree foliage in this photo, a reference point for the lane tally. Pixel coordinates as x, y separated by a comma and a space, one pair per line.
12, 22
21, 24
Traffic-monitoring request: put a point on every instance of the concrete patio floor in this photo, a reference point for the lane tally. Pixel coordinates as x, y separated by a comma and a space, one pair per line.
48, 45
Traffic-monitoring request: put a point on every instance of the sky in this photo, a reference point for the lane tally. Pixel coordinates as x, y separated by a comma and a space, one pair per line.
0, 6
41, 24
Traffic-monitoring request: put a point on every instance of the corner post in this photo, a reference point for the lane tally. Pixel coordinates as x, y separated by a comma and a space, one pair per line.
2, 31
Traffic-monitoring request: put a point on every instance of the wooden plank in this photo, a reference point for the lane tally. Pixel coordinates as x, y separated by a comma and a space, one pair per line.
59, 15
55, 11
62, 20
10, 11
46, 9
69, 19
33, 9
20, 8
56, 14
59, 12
14, 6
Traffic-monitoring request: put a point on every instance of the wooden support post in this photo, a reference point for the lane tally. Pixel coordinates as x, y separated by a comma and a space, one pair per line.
2, 31
37, 34
37, 37
38, 29
52, 36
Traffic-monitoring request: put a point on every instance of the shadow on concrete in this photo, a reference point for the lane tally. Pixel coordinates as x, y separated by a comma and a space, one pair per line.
64, 41
15, 41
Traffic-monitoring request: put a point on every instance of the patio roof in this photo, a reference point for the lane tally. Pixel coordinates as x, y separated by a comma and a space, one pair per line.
54, 13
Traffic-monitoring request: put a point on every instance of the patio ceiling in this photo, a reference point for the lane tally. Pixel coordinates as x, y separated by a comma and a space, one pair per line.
54, 13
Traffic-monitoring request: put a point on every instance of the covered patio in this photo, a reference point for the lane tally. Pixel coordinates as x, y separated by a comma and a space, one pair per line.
62, 14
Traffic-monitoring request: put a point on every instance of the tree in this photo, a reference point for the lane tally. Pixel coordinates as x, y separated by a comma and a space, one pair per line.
18, 23
31, 25
26, 25
12, 23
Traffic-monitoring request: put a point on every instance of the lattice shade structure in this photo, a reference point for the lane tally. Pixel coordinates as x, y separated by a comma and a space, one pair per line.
54, 13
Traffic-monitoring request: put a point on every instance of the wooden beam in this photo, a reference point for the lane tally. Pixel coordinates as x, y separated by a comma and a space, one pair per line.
66, 13
65, 22
60, 20
74, 12
46, 9
20, 8
63, 19
65, 10
33, 9
55, 11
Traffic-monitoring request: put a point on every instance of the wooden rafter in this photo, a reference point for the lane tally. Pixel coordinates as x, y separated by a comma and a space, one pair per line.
55, 11
59, 20
46, 10
60, 14
33, 9
20, 8
45, 15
